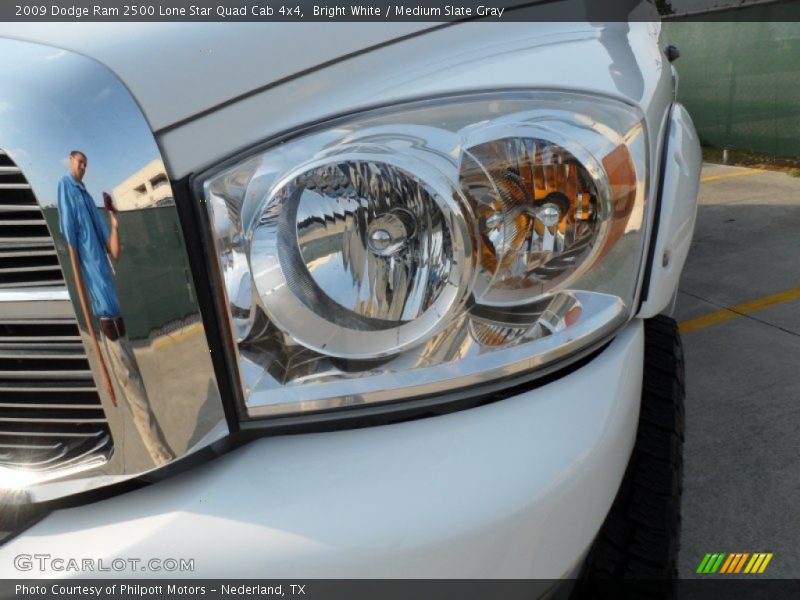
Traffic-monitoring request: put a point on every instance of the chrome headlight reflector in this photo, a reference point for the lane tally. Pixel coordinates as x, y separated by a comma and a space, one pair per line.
430, 246
359, 257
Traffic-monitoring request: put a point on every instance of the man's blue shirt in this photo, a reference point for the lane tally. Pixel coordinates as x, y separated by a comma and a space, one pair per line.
86, 231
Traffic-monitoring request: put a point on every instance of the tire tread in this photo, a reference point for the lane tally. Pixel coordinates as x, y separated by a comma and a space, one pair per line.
637, 546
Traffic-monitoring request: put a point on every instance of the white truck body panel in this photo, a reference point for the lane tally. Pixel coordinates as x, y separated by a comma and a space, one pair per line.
513, 489
175, 70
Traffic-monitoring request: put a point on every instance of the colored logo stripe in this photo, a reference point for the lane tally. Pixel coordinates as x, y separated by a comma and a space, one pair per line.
734, 563
732, 558
703, 564
711, 563
741, 562
758, 563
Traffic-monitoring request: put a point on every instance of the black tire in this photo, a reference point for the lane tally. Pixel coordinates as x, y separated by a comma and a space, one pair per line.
635, 552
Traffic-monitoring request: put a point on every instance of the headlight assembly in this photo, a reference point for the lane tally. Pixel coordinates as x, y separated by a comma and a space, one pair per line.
428, 247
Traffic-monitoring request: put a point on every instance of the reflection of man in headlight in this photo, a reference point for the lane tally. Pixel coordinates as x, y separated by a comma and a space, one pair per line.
90, 245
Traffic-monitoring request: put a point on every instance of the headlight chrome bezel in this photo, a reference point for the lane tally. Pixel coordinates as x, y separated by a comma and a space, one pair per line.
422, 386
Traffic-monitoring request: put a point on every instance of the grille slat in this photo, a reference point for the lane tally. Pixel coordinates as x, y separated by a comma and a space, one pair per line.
24, 269
27, 222
40, 405
35, 375
27, 252
46, 387
15, 285
50, 411
19, 226
65, 350
17, 240
5, 446
31, 433
21, 352
47, 338
5, 253
48, 420
26, 208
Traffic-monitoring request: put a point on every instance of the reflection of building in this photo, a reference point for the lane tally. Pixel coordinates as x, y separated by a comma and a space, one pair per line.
149, 186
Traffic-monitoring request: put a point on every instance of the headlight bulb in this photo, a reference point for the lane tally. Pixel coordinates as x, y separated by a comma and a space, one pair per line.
538, 226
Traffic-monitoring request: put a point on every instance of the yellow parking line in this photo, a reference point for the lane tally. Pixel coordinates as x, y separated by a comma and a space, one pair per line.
740, 309
729, 175
178, 336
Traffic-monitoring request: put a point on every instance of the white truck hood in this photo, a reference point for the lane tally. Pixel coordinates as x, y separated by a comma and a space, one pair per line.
176, 70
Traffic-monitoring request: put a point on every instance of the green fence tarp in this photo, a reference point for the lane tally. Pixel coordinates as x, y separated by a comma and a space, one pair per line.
152, 276
739, 74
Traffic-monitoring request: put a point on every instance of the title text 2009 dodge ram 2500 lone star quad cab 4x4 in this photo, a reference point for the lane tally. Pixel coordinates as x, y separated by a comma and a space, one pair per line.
393, 291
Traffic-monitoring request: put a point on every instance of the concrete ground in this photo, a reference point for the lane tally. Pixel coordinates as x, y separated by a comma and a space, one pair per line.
742, 453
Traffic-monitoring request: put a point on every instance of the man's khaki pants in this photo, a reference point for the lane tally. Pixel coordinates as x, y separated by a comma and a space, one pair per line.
129, 382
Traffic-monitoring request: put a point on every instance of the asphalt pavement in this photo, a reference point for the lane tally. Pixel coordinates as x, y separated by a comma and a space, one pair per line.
739, 308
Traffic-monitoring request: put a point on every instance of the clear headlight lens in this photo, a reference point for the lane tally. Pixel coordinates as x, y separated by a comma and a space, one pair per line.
429, 247
359, 257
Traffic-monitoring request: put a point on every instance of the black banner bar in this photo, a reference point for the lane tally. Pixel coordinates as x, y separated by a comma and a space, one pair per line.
325, 10
730, 588
39, 11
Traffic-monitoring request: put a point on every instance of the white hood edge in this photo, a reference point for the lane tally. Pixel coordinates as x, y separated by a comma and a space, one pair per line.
176, 70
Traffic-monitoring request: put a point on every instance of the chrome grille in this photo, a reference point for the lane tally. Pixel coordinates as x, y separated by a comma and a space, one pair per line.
51, 415
27, 253
50, 411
